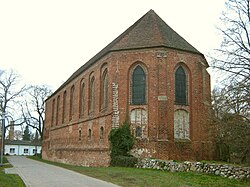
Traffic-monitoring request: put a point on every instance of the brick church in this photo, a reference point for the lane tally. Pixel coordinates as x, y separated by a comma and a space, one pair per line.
149, 76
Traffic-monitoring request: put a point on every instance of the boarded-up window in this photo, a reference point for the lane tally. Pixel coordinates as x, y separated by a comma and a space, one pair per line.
138, 132
138, 119
138, 116
181, 124
138, 86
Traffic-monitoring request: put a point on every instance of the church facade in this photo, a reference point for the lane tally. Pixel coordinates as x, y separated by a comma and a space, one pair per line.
150, 77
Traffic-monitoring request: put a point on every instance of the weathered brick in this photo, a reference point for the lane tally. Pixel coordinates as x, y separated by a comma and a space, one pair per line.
69, 141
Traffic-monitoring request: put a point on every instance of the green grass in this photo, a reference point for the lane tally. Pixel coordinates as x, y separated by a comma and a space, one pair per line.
147, 177
9, 180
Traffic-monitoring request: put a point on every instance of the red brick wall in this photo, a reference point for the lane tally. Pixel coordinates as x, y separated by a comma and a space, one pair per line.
61, 142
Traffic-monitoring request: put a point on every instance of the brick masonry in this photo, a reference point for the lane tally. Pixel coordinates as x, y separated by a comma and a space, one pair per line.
69, 141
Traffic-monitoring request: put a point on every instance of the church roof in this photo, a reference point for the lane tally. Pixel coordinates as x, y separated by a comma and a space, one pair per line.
148, 32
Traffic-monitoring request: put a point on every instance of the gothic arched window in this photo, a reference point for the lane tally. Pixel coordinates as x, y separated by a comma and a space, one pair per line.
79, 134
92, 95
71, 111
138, 86
64, 106
53, 112
57, 109
180, 86
89, 134
82, 95
104, 90
101, 133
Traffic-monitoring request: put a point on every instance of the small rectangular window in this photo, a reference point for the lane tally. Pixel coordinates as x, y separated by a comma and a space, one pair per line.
26, 151
34, 151
12, 150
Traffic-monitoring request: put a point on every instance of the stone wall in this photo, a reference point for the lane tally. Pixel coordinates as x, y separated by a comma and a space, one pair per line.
224, 170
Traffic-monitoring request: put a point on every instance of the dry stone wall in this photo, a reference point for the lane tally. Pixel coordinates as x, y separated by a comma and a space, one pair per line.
224, 170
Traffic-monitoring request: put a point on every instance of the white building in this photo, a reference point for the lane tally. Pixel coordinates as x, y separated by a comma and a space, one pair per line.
20, 147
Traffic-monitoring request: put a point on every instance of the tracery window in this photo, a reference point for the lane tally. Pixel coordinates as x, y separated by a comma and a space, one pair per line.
138, 86
180, 86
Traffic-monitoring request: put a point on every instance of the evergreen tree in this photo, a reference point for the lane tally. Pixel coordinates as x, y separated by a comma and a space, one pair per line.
26, 133
36, 138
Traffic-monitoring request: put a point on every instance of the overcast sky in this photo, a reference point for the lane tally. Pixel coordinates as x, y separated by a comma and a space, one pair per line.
45, 41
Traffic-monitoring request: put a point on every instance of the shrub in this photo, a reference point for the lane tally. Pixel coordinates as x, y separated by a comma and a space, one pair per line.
124, 161
121, 142
39, 155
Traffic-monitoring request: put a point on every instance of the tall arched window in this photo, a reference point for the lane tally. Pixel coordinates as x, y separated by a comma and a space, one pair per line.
79, 134
101, 133
180, 86
92, 95
138, 86
82, 99
71, 104
89, 134
64, 106
53, 112
104, 90
57, 108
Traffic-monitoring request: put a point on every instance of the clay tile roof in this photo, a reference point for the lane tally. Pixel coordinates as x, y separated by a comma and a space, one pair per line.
148, 32
151, 31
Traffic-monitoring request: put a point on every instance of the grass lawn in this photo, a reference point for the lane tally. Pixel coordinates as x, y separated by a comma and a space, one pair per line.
9, 180
147, 177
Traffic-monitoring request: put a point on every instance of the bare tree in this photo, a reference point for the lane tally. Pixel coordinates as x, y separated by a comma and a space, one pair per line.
18, 134
232, 103
232, 120
34, 108
234, 54
10, 92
